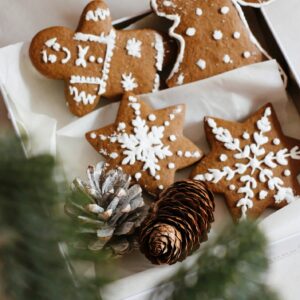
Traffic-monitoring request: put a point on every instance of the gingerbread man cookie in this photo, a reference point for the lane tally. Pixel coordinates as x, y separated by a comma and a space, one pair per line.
97, 60
252, 163
213, 37
147, 144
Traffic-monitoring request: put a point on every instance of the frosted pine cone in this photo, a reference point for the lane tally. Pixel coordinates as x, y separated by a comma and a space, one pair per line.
111, 211
178, 222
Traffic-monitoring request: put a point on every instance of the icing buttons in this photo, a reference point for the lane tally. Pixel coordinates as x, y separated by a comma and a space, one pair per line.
246, 54
152, 117
201, 63
199, 12
287, 173
217, 35
191, 31
227, 59
236, 35
224, 10
171, 166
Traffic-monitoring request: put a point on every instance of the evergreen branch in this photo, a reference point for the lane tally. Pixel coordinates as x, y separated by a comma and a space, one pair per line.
231, 268
31, 261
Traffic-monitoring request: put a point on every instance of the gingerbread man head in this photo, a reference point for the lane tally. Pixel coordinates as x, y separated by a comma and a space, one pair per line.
97, 60
213, 36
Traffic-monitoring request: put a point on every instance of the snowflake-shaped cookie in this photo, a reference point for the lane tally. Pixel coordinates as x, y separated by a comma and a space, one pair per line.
252, 163
147, 144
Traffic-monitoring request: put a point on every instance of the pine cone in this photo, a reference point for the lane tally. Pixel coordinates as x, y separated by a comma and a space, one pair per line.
111, 211
178, 222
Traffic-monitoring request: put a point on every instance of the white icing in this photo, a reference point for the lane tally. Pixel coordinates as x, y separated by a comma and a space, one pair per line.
246, 54
121, 126
180, 79
81, 97
133, 47
128, 82
93, 135
223, 157
157, 177
168, 3
201, 63
82, 52
188, 154
98, 15
138, 176
217, 35
110, 41
167, 123
50, 43
132, 99
171, 116
113, 155
151, 117
246, 135
160, 51
180, 153
156, 83
92, 59
68, 55
161, 187
287, 173
199, 11
236, 35
224, 10
172, 33
259, 162
232, 187
262, 195
171, 166
172, 138
191, 31
227, 59
99, 60
276, 141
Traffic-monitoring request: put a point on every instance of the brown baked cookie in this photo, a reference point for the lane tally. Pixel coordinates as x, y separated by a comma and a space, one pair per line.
213, 37
97, 60
253, 163
148, 144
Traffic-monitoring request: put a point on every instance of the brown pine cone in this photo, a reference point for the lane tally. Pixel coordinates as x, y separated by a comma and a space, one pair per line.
177, 223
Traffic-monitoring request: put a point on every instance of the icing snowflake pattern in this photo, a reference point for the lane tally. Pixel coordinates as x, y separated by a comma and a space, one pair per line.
134, 47
129, 82
258, 161
144, 144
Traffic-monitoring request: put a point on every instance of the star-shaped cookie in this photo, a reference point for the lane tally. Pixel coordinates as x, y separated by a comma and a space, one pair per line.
253, 163
148, 144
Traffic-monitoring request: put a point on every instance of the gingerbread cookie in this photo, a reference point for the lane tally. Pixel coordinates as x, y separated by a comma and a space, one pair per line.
98, 60
213, 37
252, 163
147, 144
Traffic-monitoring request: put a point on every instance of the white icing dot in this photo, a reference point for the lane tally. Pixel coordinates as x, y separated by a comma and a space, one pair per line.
263, 194
224, 10
93, 135
137, 176
217, 35
276, 141
287, 173
157, 177
99, 60
171, 116
188, 154
103, 137
246, 54
191, 31
201, 64
246, 135
151, 117
197, 154
208, 177
92, 59
161, 187
236, 35
132, 99
172, 138
167, 3
167, 123
223, 157
232, 187
113, 155
179, 153
180, 79
171, 166
226, 59
121, 126
199, 11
